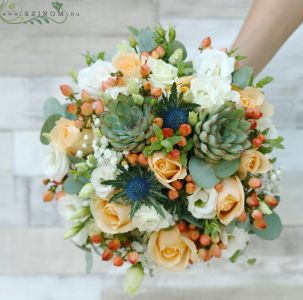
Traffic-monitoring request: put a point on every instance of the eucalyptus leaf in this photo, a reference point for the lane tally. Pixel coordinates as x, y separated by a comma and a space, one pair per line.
146, 41
273, 229
202, 173
244, 225
226, 168
243, 77
72, 186
52, 106
48, 125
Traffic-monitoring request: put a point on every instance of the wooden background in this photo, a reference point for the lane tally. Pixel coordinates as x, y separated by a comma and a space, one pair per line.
35, 262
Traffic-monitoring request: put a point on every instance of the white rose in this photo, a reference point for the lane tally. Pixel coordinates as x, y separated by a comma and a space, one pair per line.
55, 163
100, 174
234, 241
147, 219
163, 74
90, 78
68, 205
202, 203
213, 62
212, 92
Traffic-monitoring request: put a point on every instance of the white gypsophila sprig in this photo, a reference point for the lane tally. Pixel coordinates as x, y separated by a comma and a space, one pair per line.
271, 182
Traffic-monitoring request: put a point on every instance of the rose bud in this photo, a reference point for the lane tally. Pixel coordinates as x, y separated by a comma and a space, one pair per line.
45, 181
66, 90
256, 142
260, 224
205, 240
173, 195
182, 226
167, 132
142, 160
204, 254
114, 244
261, 137
252, 202
254, 183
133, 257
174, 154
132, 158
215, 250
243, 217
99, 107
156, 92
118, 261
145, 70
188, 178
190, 188
205, 43
96, 239
86, 109
193, 235
271, 201
48, 196
107, 254
185, 129
72, 108
85, 96
146, 86
253, 113
257, 214
183, 142
177, 184
159, 122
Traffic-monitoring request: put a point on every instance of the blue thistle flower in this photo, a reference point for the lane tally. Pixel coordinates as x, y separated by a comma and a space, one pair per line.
175, 117
137, 188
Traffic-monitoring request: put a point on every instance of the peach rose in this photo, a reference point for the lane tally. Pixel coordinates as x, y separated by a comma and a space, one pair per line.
230, 202
171, 250
128, 64
111, 217
66, 137
254, 162
253, 97
166, 170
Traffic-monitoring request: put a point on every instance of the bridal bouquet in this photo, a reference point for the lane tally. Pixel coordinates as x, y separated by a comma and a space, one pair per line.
161, 162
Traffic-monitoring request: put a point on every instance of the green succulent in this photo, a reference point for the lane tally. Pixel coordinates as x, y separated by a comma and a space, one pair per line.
126, 125
221, 134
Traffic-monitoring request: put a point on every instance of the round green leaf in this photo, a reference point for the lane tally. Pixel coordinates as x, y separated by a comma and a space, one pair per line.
226, 168
52, 107
47, 127
273, 227
71, 186
202, 173
178, 45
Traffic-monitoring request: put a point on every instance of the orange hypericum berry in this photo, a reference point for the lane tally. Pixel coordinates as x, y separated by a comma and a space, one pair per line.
173, 195
257, 214
99, 107
182, 142
215, 250
156, 92
72, 108
271, 201
155, 54
188, 178
48, 196
59, 194
159, 122
96, 239
145, 70
85, 96
261, 137
146, 85
252, 202
132, 158
153, 139
260, 224
167, 132
204, 240
79, 123
109, 83
107, 254
86, 109
219, 187
178, 184
142, 160
133, 257
185, 129
182, 226
256, 142
190, 187
254, 183
114, 244
205, 43
253, 124
192, 227
174, 154
253, 113
193, 235
66, 90
118, 261
204, 254
242, 218
160, 51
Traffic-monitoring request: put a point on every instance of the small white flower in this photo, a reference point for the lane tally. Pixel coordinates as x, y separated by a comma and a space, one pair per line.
234, 241
100, 174
163, 74
147, 219
202, 203
212, 92
213, 62
55, 163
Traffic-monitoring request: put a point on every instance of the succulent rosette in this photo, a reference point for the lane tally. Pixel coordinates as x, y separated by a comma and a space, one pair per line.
160, 162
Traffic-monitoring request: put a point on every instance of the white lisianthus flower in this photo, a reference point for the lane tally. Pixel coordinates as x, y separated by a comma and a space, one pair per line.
163, 74
68, 205
55, 163
90, 78
133, 279
202, 203
147, 219
212, 92
100, 174
234, 241
213, 62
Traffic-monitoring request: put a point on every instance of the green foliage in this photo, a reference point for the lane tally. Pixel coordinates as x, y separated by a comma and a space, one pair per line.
92, 58
226, 168
273, 229
47, 127
245, 225
72, 186
243, 77
264, 81
236, 255
251, 261
52, 106
269, 145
